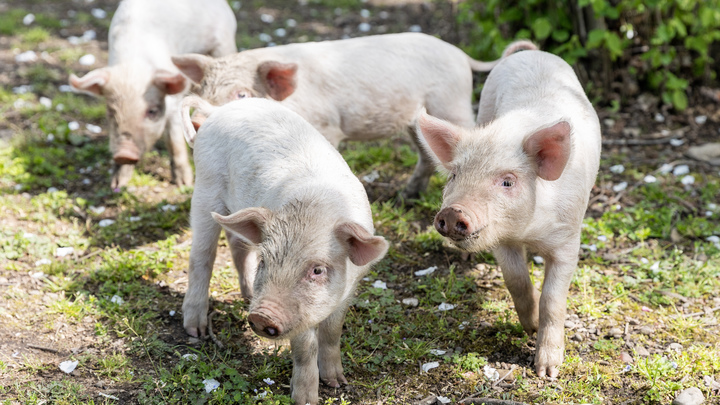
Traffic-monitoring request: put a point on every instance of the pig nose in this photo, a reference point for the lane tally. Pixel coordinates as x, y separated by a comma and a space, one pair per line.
262, 325
125, 158
452, 223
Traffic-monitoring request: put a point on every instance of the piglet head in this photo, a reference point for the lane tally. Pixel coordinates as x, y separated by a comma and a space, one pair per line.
135, 100
492, 176
307, 268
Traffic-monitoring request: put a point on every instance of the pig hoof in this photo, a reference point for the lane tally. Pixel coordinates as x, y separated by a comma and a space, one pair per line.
335, 382
192, 332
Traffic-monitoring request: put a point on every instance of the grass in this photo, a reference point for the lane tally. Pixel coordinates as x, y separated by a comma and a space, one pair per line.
114, 304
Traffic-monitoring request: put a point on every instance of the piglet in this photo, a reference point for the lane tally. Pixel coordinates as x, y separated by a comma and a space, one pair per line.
298, 224
520, 182
142, 87
354, 89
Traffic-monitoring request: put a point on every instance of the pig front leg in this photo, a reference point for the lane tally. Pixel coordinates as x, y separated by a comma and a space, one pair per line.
182, 174
424, 168
559, 270
246, 263
305, 377
329, 354
517, 279
202, 256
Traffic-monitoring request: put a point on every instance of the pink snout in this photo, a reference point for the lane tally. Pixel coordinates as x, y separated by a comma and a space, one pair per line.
264, 325
127, 154
453, 223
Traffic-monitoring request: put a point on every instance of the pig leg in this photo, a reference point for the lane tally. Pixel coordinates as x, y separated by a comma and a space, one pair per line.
245, 262
121, 175
424, 168
225, 48
329, 361
182, 174
305, 377
517, 278
202, 256
559, 270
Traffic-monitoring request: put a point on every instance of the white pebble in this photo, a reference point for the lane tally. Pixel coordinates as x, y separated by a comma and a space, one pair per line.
617, 169
425, 272
676, 142
369, 178
236, 5
18, 187
25, 88
437, 352
267, 18
384, 15
45, 102
211, 385
98, 13
463, 325
444, 400
168, 207
364, 27
64, 251
491, 373
380, 284
97, 210
591, 248
411, 302
27, 56
650, 179
701, 119
291, 23
712, 206
681, 169
52, 190
64, 88
659, 117
280, 32
93, 128
105, 223
86, 182
655, 267
713, 239
42, 262
644, 260
415, 28
87, 60
116, 299
50, 137
74, 40
602, 238
29, 19
88, 36
538, 260
68, 366
688, 180
172, 313
620, 186
73, 125
364, 13
708, 213
429, 366
265, 37
134, 219
665, 168
445, 307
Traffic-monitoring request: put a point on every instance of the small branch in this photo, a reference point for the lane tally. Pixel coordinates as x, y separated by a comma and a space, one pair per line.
490, 401
639, 142
210, 331
43, 348
505, 376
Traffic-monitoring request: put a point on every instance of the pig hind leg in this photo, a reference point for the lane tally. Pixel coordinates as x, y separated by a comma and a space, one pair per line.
517, 278
202, 256
182, 174
559, 269
424, 168
246, 263
329, 354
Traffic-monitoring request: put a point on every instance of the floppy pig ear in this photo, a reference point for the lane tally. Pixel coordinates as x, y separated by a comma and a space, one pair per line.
550, 147
247, 224
169, 83
193, 65
279, 78
363, 247
92, 83
437, 137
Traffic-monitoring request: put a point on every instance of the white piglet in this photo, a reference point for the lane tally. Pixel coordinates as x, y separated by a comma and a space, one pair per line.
142, 87
521, 180
298, 223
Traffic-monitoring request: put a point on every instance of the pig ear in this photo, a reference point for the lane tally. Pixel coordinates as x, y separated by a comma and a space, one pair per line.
439, 138
279, 78
192, 65
92, 83
191, 123
363, 248
169, 83
550, 147
247, 224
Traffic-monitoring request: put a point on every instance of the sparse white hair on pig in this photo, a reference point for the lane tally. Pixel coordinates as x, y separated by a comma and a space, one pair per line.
298, 224
521, 181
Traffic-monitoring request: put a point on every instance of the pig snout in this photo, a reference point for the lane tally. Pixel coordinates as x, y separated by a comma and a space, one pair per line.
127, 154
264, 325
453, 223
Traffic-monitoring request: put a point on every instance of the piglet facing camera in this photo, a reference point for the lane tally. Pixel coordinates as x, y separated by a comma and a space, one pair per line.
298, 224
521, 180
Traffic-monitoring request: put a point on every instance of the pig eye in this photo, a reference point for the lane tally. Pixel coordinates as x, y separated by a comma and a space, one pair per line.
507, 183
452, 176
153, 113
318, 271
241, 94
261, 264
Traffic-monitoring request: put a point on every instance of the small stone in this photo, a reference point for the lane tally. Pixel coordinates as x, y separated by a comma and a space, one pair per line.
690, 396
615, 332
603, 363
677, 347
411, 302
633, 321
647, 330
569, 325
578, 337
625, 357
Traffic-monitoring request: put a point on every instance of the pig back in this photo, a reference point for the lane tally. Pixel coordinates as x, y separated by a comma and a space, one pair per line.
255, 152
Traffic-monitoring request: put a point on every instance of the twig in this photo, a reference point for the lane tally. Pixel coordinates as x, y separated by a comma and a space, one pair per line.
505, 376
43, 348
710, 311
639, 142
210, 331
91, 254
490, 401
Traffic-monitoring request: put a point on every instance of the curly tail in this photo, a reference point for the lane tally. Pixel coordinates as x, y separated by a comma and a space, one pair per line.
191, 124
519, 45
